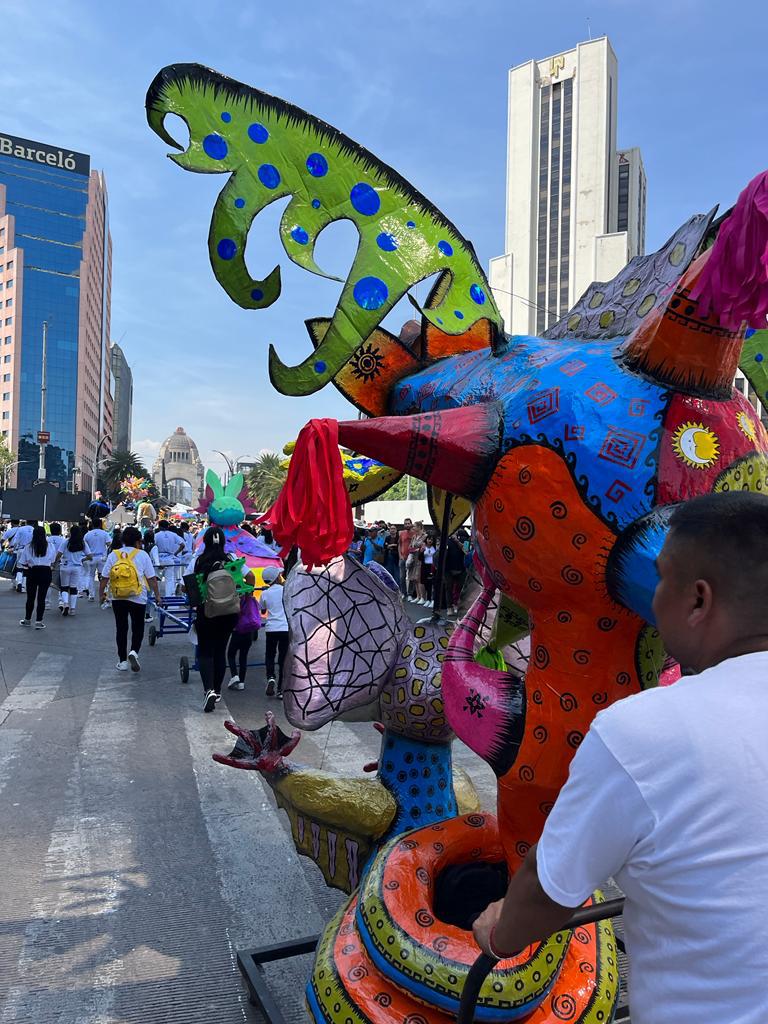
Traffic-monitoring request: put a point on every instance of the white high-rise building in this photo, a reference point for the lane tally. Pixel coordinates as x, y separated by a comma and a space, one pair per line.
575, 205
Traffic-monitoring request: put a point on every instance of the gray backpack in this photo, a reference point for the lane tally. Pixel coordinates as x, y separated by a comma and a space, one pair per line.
222, 597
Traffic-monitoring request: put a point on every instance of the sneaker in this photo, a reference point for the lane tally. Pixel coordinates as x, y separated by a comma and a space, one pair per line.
270, 687
134, 660
279, 693
65, 611
39, 625
105, 604
218, 697
24, 622
18, 588
122, 666
71, 611
233, 683
210, 701
91, 598
239, 685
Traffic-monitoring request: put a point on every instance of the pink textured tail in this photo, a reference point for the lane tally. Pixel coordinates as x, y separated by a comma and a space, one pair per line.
734, 283
484, 707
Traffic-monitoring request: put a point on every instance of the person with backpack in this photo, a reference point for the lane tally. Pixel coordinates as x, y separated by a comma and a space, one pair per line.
130, 575
38, 556
243, 635
73, 556
276, 628
217, 611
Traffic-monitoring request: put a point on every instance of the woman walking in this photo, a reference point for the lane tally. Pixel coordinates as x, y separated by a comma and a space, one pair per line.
276, 628
213, 632
39, 556
130, 574
75, 553
246, 631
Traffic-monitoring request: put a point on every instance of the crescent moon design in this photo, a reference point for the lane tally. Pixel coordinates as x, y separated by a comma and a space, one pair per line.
696, 445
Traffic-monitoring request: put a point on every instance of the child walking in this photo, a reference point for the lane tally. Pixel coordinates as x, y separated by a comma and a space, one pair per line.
243, 635
276, 628
74, 554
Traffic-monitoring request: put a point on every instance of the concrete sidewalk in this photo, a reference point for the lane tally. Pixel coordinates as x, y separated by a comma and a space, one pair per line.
134, 866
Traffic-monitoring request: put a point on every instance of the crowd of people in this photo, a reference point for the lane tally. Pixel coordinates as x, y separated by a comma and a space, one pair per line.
121, 568
411, 554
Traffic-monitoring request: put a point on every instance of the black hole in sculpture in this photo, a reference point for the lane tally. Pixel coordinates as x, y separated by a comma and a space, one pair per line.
463, 891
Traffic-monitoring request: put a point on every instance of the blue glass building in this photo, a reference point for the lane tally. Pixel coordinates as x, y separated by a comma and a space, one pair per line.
47, 194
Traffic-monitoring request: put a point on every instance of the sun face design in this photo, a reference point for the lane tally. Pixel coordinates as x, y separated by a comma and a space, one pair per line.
367, 362
747, 427
696, 445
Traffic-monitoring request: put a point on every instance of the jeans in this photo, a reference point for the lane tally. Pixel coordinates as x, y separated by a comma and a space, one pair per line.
212, 639
277, 643
237, 653
123, 611
404, 576
38, 581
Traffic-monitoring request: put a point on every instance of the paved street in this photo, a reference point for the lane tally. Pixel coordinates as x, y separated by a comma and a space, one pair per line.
134, 866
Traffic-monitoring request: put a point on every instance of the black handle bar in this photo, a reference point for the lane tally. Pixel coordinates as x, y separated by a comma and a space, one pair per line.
484, 964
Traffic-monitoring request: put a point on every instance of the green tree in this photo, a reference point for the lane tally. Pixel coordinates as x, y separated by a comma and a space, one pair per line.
399, 490
266, 479
7, 458
117, 467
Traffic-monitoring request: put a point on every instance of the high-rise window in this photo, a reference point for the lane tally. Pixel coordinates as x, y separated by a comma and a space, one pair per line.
541, 260
565, 200
623, 218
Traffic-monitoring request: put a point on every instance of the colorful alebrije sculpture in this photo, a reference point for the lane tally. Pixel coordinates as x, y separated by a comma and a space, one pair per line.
572, 451
227, 506
135, 488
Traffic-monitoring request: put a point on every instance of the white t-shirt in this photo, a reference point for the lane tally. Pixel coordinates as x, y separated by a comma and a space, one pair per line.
144, 568
23, 537
168, 544
74, 558
10, 535
98, 541
429, 555
272, 603
58, 542
29, 558
668, 794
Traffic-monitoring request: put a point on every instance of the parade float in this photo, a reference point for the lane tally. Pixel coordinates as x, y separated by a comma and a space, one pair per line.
571, 450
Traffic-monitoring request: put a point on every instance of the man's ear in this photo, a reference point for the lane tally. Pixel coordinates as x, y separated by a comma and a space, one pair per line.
701, 608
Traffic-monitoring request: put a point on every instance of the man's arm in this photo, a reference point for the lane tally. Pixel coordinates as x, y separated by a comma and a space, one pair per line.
598, 819
525, 915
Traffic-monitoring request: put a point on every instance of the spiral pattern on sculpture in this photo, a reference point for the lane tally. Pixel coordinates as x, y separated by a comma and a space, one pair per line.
392, 885
579, 540
526, 773
564, 1006
383, 999
423, 876
423, 918
525, 528
357, 973
568, 702
475, 820
558, 509
571, 575
606, 624
540, 656
498, 505
574, 738
581, 657
564, 617
623, 679
540, 734
525, 475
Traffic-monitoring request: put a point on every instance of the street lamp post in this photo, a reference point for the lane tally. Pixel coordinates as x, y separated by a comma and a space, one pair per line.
6, 471
41, 467
228, 462
95, 464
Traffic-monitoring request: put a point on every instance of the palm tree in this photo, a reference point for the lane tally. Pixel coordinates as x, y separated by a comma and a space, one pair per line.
117, 467
266, 479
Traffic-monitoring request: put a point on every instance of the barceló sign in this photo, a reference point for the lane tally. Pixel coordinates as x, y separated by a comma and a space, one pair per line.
40, 153
43, 436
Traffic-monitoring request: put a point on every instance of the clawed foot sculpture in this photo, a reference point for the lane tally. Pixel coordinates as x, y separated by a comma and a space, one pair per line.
259, 750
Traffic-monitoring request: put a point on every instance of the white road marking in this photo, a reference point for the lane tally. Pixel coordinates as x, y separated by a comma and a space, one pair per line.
38, 686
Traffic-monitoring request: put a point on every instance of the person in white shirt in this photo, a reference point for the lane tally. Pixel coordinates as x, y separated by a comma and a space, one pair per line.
75, 554
39, 555
169, 548
98, 540
21, 539
130, 608
275, 628
189, 542
668, 792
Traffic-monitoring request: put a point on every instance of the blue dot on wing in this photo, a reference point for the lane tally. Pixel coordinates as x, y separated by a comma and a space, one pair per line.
258, 133
215, 147
438, 320
269, 176
386, 242
445, 248
319, 366
477, 294
458, 314
370, 293
257, 294
226, 117
365, 199
410, 224
239, 203
317, 165
226, 248
300, 235
759, 357
316, 203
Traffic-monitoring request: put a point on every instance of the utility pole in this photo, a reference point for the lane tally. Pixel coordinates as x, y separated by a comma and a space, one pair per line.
41, 468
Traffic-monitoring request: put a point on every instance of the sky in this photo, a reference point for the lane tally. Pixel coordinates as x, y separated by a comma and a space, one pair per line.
420, 83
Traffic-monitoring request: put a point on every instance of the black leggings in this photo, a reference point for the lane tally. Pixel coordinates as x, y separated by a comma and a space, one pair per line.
123, 611
38, 581
277, 643
237, 653
212, 639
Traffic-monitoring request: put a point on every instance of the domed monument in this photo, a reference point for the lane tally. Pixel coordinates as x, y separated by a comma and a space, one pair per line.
177, 471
